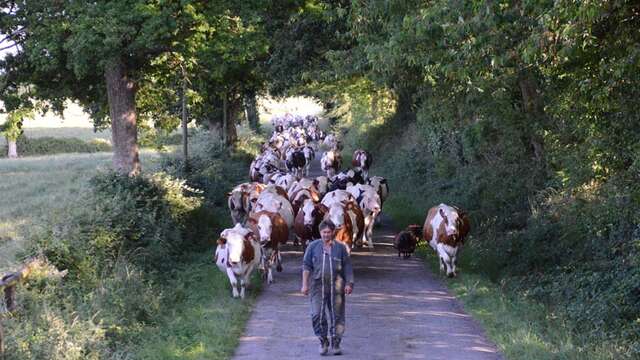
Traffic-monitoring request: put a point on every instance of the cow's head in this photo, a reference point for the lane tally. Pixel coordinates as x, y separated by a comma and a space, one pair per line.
235, 243
451, 222
265, 228
308, 210
336, 214
237, 203
370, 202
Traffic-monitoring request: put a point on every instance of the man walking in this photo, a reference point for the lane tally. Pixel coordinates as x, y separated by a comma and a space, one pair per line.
327, 276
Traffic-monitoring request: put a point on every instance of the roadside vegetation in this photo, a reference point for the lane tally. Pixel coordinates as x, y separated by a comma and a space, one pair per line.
138, 252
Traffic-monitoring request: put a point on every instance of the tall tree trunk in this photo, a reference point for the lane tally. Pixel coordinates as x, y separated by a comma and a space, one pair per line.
230, 111
534, 110
13, 149
185, 131
405, 107
121, 91
225, 121
251, 107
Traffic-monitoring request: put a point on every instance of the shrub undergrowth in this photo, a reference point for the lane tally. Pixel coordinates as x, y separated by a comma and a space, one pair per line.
139, 281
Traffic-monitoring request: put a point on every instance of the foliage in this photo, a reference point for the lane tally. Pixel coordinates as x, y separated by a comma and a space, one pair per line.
12, 127
523, 114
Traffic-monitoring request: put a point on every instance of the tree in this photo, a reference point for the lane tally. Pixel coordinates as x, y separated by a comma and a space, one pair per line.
12, 129
95, 53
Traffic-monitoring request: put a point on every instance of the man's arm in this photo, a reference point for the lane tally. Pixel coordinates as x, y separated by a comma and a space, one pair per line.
348, 272
307, 267
305, 282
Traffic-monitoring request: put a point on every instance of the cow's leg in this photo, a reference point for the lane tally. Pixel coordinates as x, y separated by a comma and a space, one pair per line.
278, 262
368, 226
234, 282
445, 252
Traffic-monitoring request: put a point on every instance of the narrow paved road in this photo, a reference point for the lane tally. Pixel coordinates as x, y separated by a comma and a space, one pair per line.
399, 310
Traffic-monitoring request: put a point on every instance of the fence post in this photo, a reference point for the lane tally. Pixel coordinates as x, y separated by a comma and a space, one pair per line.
1, 341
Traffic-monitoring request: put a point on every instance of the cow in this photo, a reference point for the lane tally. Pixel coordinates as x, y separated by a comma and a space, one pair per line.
344, 226
357, 221
362, 161
381, 186
445, 228
275, 203
276, 189
407, 240
308, 220
369, 201
304, 183
322, 185
296, 161
309, 156
238, 253
301, 195
345, 179
331, 162
239, 200
330, 141
337, 196
272, 231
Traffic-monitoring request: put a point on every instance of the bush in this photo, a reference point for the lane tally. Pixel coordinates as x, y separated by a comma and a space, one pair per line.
571, 246
141, 219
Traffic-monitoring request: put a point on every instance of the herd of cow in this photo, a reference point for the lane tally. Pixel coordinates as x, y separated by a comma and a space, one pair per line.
282, 203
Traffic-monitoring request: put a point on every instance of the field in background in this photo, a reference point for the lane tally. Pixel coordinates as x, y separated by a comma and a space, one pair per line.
269, 107
34, 188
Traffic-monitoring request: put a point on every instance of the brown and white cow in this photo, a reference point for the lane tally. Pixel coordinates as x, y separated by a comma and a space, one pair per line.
304, 183
331, 162
237, 254
369, 201
300, 196
272, 231
344, 226
273, 202
357, 220
445, 229
337, 196
239, 200
306, 225
362, 161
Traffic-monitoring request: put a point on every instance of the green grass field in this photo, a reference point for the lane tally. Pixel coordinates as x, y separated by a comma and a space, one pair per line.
35, 187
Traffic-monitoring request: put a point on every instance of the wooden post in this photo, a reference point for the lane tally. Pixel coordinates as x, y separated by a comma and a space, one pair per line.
10, 297
1, 341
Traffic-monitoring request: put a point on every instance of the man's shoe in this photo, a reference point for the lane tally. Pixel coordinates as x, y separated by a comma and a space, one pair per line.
335, 346
324, 346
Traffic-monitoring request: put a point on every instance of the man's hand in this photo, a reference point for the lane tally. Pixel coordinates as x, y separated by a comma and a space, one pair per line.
348, 289
305, 289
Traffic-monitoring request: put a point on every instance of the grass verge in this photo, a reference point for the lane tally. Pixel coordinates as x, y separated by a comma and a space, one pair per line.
202, 320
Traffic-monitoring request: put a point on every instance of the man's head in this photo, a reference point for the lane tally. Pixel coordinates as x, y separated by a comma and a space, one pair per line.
327, 229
